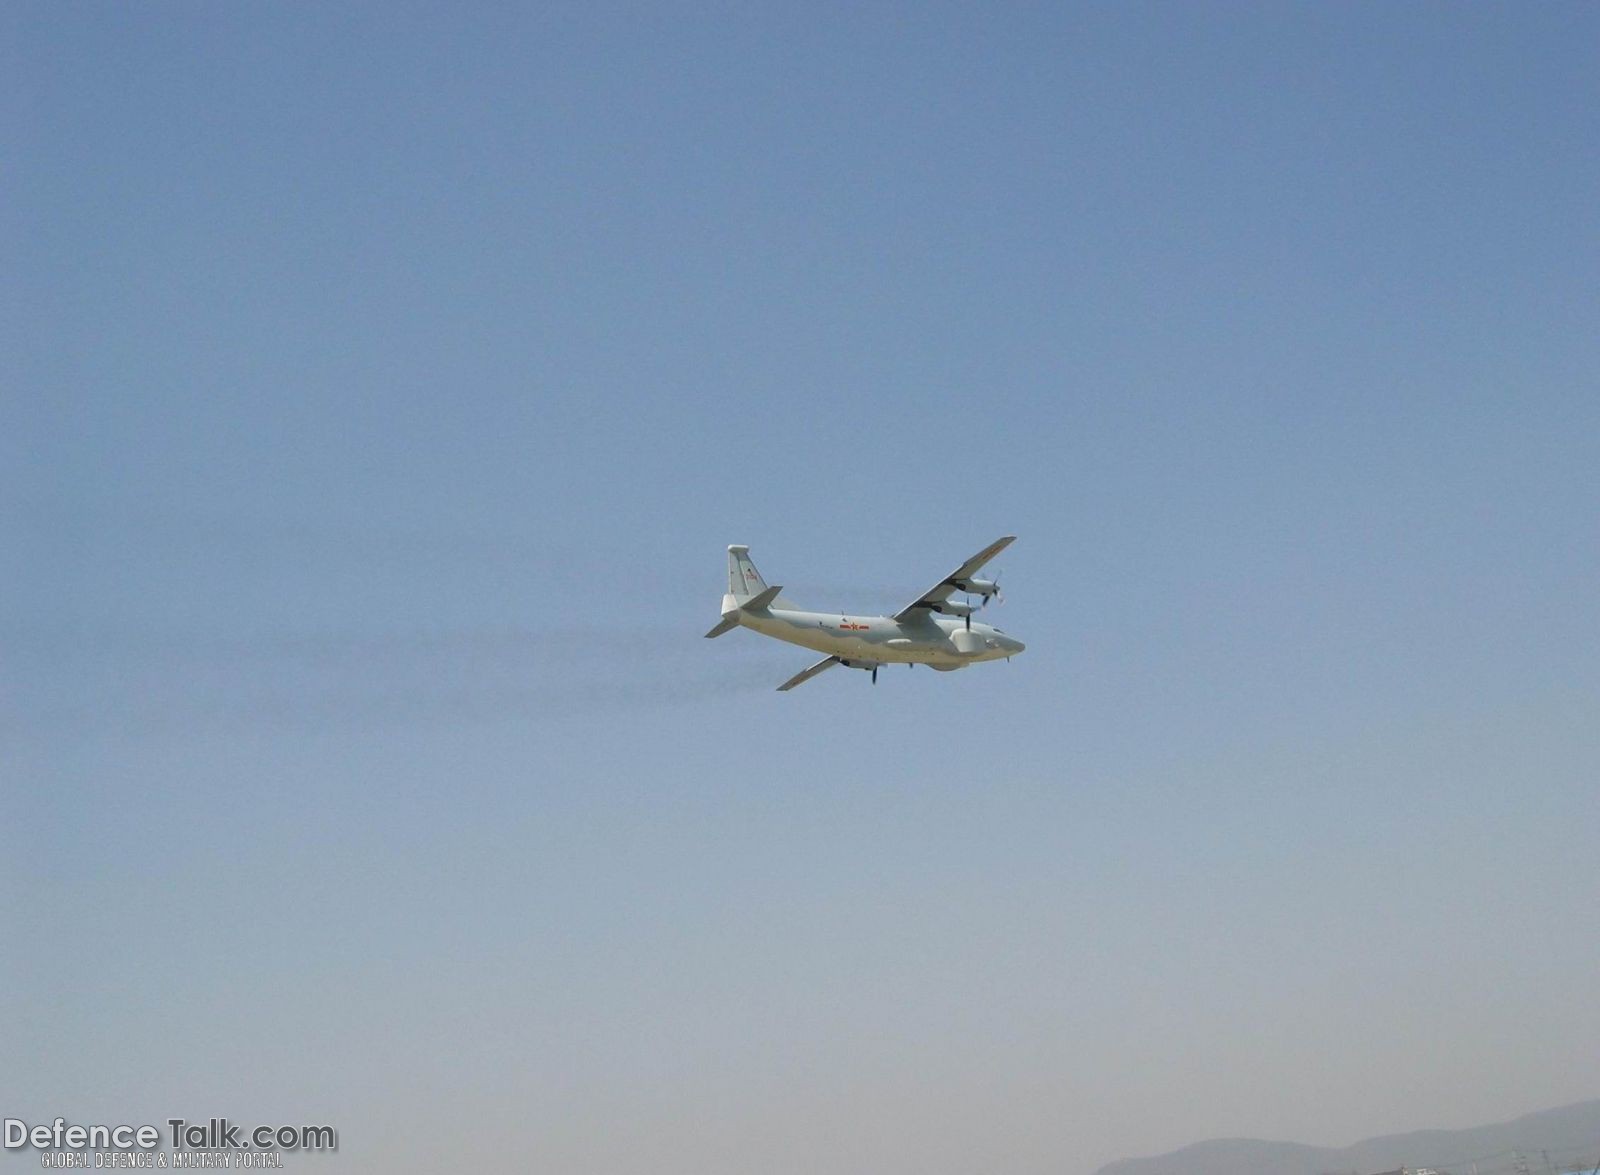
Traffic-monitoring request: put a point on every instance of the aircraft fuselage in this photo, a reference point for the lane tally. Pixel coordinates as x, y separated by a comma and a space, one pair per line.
938, 641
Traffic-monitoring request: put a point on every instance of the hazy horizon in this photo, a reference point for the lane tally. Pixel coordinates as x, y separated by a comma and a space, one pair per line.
384, 386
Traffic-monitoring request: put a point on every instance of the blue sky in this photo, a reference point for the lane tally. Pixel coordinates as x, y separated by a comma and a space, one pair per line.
383, 386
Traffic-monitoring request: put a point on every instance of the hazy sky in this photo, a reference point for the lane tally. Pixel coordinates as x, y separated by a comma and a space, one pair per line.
383, 383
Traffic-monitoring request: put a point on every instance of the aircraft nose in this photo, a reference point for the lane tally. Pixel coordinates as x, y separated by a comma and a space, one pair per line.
1017, 647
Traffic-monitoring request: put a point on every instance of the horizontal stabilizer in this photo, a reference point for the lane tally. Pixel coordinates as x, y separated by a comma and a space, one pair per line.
727, 623
756, 603
761, 602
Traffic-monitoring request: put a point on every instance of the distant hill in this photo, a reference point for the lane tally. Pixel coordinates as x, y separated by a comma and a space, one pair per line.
1569, 1134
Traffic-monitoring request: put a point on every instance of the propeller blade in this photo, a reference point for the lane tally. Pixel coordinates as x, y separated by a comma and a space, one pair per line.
874, 675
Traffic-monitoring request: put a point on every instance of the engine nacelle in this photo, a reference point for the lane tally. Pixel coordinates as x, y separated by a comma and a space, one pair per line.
954, 608
977, 587
967, 642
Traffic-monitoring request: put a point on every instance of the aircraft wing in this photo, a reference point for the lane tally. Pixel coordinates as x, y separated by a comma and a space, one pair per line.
809, 673
942, 591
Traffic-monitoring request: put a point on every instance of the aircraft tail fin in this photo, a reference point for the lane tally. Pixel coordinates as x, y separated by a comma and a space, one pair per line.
745, 582
743, 578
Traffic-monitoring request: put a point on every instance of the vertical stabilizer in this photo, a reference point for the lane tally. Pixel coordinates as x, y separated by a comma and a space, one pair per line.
744, 580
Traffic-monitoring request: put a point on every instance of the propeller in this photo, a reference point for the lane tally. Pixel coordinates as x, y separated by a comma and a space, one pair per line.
874, 675
985, 589
984, 598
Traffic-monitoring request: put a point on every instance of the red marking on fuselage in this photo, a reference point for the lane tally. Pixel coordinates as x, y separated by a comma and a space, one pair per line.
848, 627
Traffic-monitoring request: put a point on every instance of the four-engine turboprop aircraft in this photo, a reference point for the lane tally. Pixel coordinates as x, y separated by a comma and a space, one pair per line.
918, 634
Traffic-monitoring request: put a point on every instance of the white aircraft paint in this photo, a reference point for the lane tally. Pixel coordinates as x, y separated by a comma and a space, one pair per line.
921, 633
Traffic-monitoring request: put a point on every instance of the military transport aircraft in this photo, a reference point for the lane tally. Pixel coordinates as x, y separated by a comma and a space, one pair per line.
912, 636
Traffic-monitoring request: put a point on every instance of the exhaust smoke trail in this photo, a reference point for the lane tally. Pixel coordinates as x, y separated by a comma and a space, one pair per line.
158, 684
